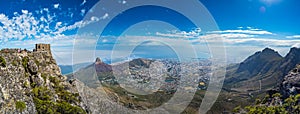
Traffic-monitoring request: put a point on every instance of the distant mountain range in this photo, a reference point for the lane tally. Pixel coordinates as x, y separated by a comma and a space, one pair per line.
91, 73
261, 71
255, 76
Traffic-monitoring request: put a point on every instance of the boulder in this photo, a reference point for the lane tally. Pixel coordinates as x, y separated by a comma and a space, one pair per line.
32, 67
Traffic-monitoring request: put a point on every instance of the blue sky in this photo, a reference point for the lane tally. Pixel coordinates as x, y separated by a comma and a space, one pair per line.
246, 26
280, 16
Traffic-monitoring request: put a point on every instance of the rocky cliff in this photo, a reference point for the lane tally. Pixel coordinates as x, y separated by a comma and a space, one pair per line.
290, 84
31, 82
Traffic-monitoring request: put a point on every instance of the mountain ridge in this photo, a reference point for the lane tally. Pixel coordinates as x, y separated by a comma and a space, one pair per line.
265, 68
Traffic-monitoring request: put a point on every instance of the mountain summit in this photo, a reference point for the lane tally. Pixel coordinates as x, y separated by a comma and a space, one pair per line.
98, 61
253, 64
291, 60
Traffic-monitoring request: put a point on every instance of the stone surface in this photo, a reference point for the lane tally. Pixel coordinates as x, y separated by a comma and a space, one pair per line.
26, 70
291, 83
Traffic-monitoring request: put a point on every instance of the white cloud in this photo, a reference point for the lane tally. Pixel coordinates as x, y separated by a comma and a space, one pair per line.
250, 36
297, 45
249, 31
181, 34
18, 27
56, 6
239, 45
82, 12
294, 36
2, 16
93, 18
83, 2
58, 24
105, 16
229, 39
227, 36
25, 11
104, 40
77, 25
45, 9
27, 26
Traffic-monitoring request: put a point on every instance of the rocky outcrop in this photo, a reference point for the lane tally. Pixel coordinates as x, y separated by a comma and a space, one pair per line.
291, 83
102, 67
32, 67
284, 99
98, 61
140, 63
31, 82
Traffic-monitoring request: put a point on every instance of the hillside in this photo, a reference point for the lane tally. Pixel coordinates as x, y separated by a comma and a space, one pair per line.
253, 78
31, 82
261, 71
133, 85
283, 99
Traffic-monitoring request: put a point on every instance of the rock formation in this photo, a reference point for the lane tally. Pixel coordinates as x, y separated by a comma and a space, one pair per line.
31, 82
291, 83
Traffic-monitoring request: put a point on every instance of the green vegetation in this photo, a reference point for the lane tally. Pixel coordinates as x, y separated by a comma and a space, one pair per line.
20, 105
44, 76
37, 62
32, 84
25, 61
274, 105
60, 107
43, 99
237, 109
276, 95
25, 84
127, 98
2, 61
26, 75
15, 63
54, 80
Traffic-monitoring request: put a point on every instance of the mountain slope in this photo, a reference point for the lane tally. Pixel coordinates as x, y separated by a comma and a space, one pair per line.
261, 71
283, 99
257, 62
291, 60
